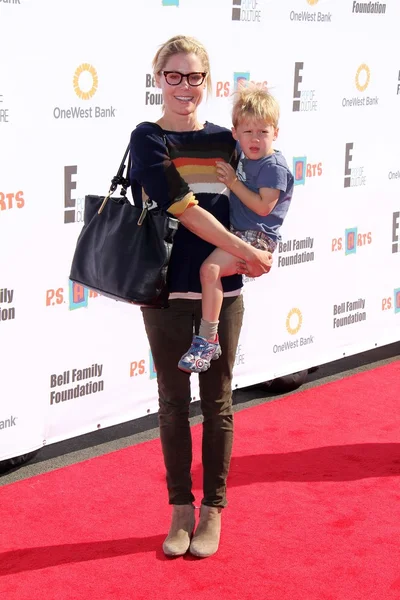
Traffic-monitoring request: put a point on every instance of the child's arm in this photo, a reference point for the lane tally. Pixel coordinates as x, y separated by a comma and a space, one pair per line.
262, 203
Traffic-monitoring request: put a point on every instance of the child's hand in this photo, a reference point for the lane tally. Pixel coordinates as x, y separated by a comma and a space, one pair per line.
226, 174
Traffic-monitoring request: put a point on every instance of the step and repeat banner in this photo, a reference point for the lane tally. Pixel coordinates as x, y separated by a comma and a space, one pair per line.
75, 80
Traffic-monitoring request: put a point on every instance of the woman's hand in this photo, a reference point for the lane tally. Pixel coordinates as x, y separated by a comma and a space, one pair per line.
226, 174
254, 267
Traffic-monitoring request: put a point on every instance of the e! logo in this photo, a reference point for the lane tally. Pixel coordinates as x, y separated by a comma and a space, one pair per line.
395, 234
347, 161
69, 185
298, 67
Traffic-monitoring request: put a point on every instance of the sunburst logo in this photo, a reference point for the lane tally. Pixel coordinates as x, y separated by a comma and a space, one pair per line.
362, 78
294, 321
85, 81
312, 2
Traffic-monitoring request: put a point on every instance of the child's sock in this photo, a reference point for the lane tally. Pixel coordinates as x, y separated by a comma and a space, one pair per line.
208, 330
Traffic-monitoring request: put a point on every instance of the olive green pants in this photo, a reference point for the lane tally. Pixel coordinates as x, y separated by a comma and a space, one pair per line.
170, 333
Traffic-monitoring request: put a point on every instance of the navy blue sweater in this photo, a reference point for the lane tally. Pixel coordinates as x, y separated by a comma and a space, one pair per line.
177, 170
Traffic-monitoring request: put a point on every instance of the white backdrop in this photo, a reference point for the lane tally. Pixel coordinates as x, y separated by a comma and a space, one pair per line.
75, 80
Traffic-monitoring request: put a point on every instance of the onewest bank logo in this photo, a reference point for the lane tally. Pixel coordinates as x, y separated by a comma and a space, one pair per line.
308, 16
294, 323
85, 83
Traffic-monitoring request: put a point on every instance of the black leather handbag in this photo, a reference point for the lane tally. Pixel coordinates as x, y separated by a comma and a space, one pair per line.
123, 250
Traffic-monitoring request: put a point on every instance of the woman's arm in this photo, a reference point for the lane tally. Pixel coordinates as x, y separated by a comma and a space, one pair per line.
156, 173
251, 262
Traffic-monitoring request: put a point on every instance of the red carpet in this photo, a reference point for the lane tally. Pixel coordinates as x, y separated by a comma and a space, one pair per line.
314, 511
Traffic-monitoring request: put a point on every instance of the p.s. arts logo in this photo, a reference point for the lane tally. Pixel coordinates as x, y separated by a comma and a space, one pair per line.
396, 233
293, 324
353, 176
303, 169
152, 369
392, 302
362, 80
143, 366
304, 100
368, 8
310, 16
10, 200
352, 311
296, 252
85, 83
241, 79
397, 300
77, 296
351, 241
246, 10
7, 310
4, 111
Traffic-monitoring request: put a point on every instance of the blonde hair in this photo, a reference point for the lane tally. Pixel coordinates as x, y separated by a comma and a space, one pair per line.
182, 44
255, 103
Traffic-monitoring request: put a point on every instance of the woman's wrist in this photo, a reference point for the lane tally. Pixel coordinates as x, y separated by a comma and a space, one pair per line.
248, 253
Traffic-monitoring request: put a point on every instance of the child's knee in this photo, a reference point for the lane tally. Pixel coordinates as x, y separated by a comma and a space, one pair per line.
209, 273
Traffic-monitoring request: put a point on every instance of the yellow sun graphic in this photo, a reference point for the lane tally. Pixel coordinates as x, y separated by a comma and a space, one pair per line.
361, 68
296, 329
95, 81
312, 2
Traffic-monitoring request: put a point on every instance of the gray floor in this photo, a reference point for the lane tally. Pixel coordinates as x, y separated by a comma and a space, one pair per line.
107, 440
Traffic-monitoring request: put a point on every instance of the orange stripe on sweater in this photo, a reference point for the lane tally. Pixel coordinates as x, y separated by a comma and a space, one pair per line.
185, 162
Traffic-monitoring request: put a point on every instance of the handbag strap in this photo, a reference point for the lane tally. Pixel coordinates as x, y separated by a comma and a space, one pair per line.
119, 178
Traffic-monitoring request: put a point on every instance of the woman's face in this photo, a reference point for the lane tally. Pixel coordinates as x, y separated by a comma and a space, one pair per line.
182, 99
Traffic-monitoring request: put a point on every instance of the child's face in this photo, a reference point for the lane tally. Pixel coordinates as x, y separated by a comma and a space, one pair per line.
255, 137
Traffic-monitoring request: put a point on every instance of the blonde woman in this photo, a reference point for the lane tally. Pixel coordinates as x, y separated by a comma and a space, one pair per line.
174, 163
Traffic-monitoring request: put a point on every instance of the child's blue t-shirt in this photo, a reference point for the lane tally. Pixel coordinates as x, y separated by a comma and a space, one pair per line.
270, 171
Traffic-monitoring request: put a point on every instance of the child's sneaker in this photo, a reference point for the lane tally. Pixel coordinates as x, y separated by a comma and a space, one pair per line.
197, 359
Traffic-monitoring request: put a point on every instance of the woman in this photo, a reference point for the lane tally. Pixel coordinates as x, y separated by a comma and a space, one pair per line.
174, 165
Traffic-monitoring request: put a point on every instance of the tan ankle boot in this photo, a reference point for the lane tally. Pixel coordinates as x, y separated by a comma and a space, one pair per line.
205, 541
178, 540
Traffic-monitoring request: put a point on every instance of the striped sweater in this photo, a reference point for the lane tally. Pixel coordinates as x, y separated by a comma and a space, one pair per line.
176, 169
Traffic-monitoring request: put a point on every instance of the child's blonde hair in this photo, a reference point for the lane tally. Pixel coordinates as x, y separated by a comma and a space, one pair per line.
255, 103
182, 44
